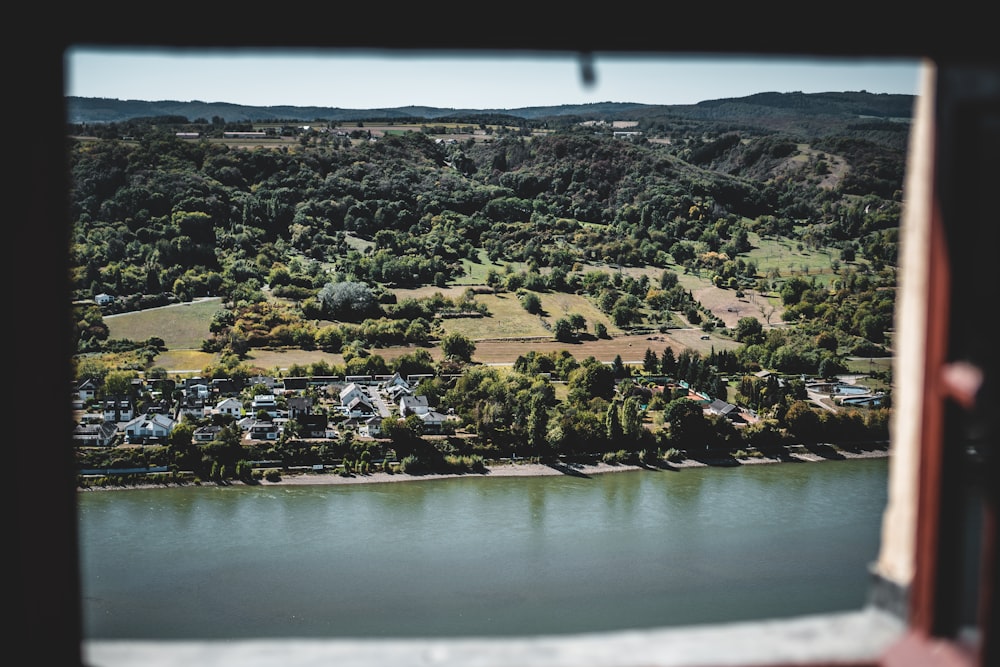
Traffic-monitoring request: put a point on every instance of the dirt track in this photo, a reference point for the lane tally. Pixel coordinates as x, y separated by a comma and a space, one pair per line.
631, 348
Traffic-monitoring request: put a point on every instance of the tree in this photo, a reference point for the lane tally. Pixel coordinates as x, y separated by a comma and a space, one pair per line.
749, 331
456, 345
618, 367
531, 303
563, 330
668, 362
418, 362
538, 425
830, 367
347, 300
631, 418
612, 423
181, 436
688, 426
803, 421
118, 384
591, 379
650, 363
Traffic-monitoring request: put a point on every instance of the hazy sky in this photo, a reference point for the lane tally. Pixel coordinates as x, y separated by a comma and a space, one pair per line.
379, 79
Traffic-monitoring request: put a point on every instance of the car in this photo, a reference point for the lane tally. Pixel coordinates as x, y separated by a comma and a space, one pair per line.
705, 337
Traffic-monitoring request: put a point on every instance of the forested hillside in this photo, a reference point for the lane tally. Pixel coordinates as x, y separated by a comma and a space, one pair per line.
162, 218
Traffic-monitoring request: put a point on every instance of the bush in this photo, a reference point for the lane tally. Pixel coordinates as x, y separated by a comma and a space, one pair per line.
616, 458
467, 463
272, 476
412, 465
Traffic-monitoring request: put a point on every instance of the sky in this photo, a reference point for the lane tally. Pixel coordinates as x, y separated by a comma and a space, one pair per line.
381, 79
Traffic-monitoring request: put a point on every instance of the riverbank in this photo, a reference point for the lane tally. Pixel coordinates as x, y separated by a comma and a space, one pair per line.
579, 469
531, 469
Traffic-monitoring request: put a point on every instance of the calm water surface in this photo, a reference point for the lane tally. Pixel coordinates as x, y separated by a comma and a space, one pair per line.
481, 556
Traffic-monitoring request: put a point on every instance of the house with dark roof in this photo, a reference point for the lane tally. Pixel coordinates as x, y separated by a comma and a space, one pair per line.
94, 434
359, 408
263, 430
192, 406
295, 384
299, 406
313, 426
723, 409
433, 421
118, 410
206, 433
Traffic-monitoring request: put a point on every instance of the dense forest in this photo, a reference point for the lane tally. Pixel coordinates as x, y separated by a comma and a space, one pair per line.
306, 240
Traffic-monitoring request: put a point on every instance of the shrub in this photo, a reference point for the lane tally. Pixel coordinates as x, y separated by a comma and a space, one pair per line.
411, 465
673, 454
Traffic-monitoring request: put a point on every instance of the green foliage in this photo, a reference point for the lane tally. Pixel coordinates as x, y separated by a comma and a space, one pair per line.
458, 346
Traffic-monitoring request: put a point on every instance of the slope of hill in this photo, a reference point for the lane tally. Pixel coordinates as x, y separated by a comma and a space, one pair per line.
764, 108
105, 110
780, 201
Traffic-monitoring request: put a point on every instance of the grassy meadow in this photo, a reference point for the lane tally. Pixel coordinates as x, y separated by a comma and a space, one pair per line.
182, 326
509, 330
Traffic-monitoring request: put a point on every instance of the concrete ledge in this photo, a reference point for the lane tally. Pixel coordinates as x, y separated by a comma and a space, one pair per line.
847, 637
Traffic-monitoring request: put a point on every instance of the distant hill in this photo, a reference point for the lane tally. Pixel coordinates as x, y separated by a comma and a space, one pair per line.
105, 110
756, 109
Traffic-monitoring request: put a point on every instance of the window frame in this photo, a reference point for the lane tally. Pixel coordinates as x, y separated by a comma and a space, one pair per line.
48, 607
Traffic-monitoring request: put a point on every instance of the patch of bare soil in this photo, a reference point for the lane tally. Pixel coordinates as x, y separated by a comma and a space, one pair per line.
730, 308
631, 349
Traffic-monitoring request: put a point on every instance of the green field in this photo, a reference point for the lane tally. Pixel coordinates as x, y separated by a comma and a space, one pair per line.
790, 260
182, 326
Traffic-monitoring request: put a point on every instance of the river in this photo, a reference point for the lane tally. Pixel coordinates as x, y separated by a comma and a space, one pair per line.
480, 556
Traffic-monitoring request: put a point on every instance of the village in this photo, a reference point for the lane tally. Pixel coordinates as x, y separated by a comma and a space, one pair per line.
322, 407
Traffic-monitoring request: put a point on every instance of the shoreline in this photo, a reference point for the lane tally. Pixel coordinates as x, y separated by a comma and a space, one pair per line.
527, 470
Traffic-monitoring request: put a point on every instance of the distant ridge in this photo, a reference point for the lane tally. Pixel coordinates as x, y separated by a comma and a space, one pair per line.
108, 110
844, 104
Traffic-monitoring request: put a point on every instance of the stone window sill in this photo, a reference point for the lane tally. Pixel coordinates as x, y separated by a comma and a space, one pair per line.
844, 638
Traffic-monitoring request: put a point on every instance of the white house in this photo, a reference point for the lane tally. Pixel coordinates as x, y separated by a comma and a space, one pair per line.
266, 402
86, 390
413, 405
229, 406
395, 380
350, 392
371, 427
149, 428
